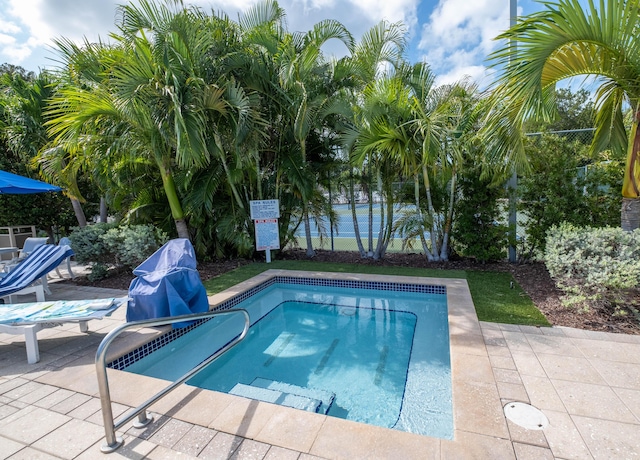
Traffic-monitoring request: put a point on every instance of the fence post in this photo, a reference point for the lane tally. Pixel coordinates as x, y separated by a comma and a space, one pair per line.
331, 207
513, 216
513, 181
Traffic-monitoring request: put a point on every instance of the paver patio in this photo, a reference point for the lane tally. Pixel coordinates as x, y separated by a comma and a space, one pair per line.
586, 383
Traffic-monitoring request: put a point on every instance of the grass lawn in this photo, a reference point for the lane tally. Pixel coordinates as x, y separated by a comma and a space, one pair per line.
492, 294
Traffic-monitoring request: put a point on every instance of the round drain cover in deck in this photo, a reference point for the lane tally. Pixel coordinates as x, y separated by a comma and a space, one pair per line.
526, 416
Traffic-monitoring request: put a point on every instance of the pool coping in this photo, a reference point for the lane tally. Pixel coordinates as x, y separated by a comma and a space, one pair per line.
477, 408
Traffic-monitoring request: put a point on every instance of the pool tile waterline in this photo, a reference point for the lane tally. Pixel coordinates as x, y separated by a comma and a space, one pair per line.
125, 361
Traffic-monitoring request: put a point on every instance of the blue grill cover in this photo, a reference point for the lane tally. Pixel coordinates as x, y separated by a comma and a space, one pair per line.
167, 284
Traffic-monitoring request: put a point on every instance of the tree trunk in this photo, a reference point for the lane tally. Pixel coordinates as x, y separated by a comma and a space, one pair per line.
227, 171
258, 174
103, 210
444, 250
382, 234
388, 232
432, 255
307, 232
416, 192
370, 223
630, 215
630, 186
174, 202
183, 230
354, 216
77, 209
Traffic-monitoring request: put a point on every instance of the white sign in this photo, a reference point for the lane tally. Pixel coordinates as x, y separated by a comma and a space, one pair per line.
265, 209
267, 234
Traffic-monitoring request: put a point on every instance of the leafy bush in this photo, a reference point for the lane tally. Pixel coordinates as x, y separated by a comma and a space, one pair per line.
603, 183
558, 190
595, 266
133, 244
477, 232
105, 246
88, 245
98, 271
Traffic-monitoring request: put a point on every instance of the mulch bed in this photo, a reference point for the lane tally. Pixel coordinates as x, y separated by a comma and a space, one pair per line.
532, 277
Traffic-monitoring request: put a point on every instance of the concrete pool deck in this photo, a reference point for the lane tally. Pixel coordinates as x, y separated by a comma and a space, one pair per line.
586, 383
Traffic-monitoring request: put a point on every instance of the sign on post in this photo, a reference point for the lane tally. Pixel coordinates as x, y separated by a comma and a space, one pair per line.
265, 209
267, 235
265, 214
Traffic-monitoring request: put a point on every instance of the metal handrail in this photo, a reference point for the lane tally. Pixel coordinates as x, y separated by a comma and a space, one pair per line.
110, 425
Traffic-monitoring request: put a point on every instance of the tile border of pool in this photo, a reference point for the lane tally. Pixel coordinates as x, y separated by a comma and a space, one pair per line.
123, 361
477, 409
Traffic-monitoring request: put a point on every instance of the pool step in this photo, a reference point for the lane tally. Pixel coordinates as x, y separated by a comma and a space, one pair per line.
325, 397
276, 397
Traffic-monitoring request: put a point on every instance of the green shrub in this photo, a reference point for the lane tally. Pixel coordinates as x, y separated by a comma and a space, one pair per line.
88, 245
477, 231
109, 246
133, 244
560, 188
603, 184
98, 271
594, 266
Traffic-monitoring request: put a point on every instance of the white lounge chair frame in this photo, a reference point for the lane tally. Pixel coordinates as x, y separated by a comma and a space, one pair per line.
30, 329
38, 288
30, 275
31, 338
64, 241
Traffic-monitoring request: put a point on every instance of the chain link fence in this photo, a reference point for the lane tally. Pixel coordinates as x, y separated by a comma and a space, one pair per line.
337, 231
340, 231
583, 138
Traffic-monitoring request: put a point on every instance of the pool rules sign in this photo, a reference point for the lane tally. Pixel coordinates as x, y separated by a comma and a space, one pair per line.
265, 214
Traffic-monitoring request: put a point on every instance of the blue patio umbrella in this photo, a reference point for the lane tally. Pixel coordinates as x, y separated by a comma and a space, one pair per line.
20, 185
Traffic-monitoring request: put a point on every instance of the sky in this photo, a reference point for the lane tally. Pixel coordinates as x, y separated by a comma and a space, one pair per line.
453, 36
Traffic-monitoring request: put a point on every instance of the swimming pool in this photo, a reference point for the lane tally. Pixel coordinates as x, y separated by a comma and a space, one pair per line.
376, 353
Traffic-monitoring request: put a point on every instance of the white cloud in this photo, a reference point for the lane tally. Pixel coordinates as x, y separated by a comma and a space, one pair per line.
28, 13
459, 36
358, 16
8, 27
394, 11
16, 53
7, 39
477, 73
34, 23
47, 19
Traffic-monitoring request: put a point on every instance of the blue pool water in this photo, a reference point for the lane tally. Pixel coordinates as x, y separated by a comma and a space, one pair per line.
377, 357
322, 347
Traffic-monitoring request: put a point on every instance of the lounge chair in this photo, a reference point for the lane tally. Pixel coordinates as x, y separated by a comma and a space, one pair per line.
29, 276
29, 318
64, 241
29, 245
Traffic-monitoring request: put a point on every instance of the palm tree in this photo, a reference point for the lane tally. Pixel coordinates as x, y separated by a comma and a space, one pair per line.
150, 94
444, 125
371, 69
429, 159
382, 140
563, 41
305, 77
